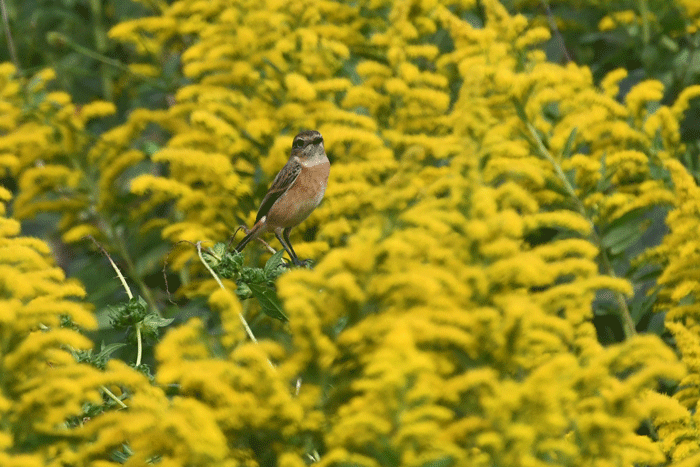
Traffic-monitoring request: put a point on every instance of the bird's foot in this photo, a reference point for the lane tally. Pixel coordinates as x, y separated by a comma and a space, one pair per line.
307, 263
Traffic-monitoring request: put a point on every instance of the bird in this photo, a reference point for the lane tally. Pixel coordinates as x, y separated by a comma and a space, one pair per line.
295, 192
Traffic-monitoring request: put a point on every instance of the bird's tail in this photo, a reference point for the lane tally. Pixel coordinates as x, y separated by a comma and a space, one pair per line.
244, 242
254, 232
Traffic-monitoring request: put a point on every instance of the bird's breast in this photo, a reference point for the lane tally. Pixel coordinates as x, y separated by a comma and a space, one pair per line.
302, 197
317, 175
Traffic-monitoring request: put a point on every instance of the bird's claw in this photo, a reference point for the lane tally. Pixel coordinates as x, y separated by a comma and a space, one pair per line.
307, 263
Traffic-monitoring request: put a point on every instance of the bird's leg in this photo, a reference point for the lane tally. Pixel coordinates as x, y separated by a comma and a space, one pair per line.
287, 245
285, 232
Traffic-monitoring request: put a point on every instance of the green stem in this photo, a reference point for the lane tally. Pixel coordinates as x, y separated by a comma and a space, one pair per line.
131, 269
139, 345
627, 321
117, 242
111, 395
114, 266
58, 37
644, 12
101, 46
221, 284
628, 326
686, 66
8, 34
555, 29
544, 152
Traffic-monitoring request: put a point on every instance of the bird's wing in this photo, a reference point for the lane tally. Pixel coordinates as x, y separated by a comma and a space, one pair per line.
282, 182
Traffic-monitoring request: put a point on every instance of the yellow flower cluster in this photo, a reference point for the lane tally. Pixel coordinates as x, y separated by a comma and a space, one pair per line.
432, 329
692, 13
41, 385
679, 298
621, 13
43, 146
438, 325
250, 93
618, 18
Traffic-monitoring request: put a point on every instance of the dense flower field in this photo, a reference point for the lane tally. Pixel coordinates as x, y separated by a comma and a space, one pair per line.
486, 205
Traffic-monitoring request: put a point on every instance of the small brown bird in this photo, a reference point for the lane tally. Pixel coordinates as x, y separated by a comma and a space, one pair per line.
295, 192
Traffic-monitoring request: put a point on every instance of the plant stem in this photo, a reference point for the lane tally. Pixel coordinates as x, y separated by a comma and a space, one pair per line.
644, 12
544, 152
131, 268
114, 266
627, 322
628, 325
101, 46
139, 345
8, 34
94, 55
221, 284
553, 26
111, 395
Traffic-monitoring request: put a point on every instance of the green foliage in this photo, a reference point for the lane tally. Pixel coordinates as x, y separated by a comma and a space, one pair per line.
250, 281
652, 39
99, 359
129, 314
489, 223
136, 316
70, 36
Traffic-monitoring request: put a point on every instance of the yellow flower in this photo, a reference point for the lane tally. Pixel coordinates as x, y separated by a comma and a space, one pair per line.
299, 88
641, 94
611, 83
617, 18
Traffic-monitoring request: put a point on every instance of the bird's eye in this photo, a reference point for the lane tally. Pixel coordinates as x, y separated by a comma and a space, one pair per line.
298, 143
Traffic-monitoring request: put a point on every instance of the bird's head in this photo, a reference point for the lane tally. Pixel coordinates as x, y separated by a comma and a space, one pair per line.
308, 145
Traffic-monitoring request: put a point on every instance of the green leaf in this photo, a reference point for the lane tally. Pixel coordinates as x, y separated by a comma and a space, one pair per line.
229, 264
269, 302
215, 254
627, 242
252, 276
219, 249
605, 304
621, 238
150, 147
657, 324
669, 44
519, 109
624, 231
128, 314
273, 263
153, 321
107, 350
569, 146
640, 308
604, 180
243, 291
634, 214
645, 273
